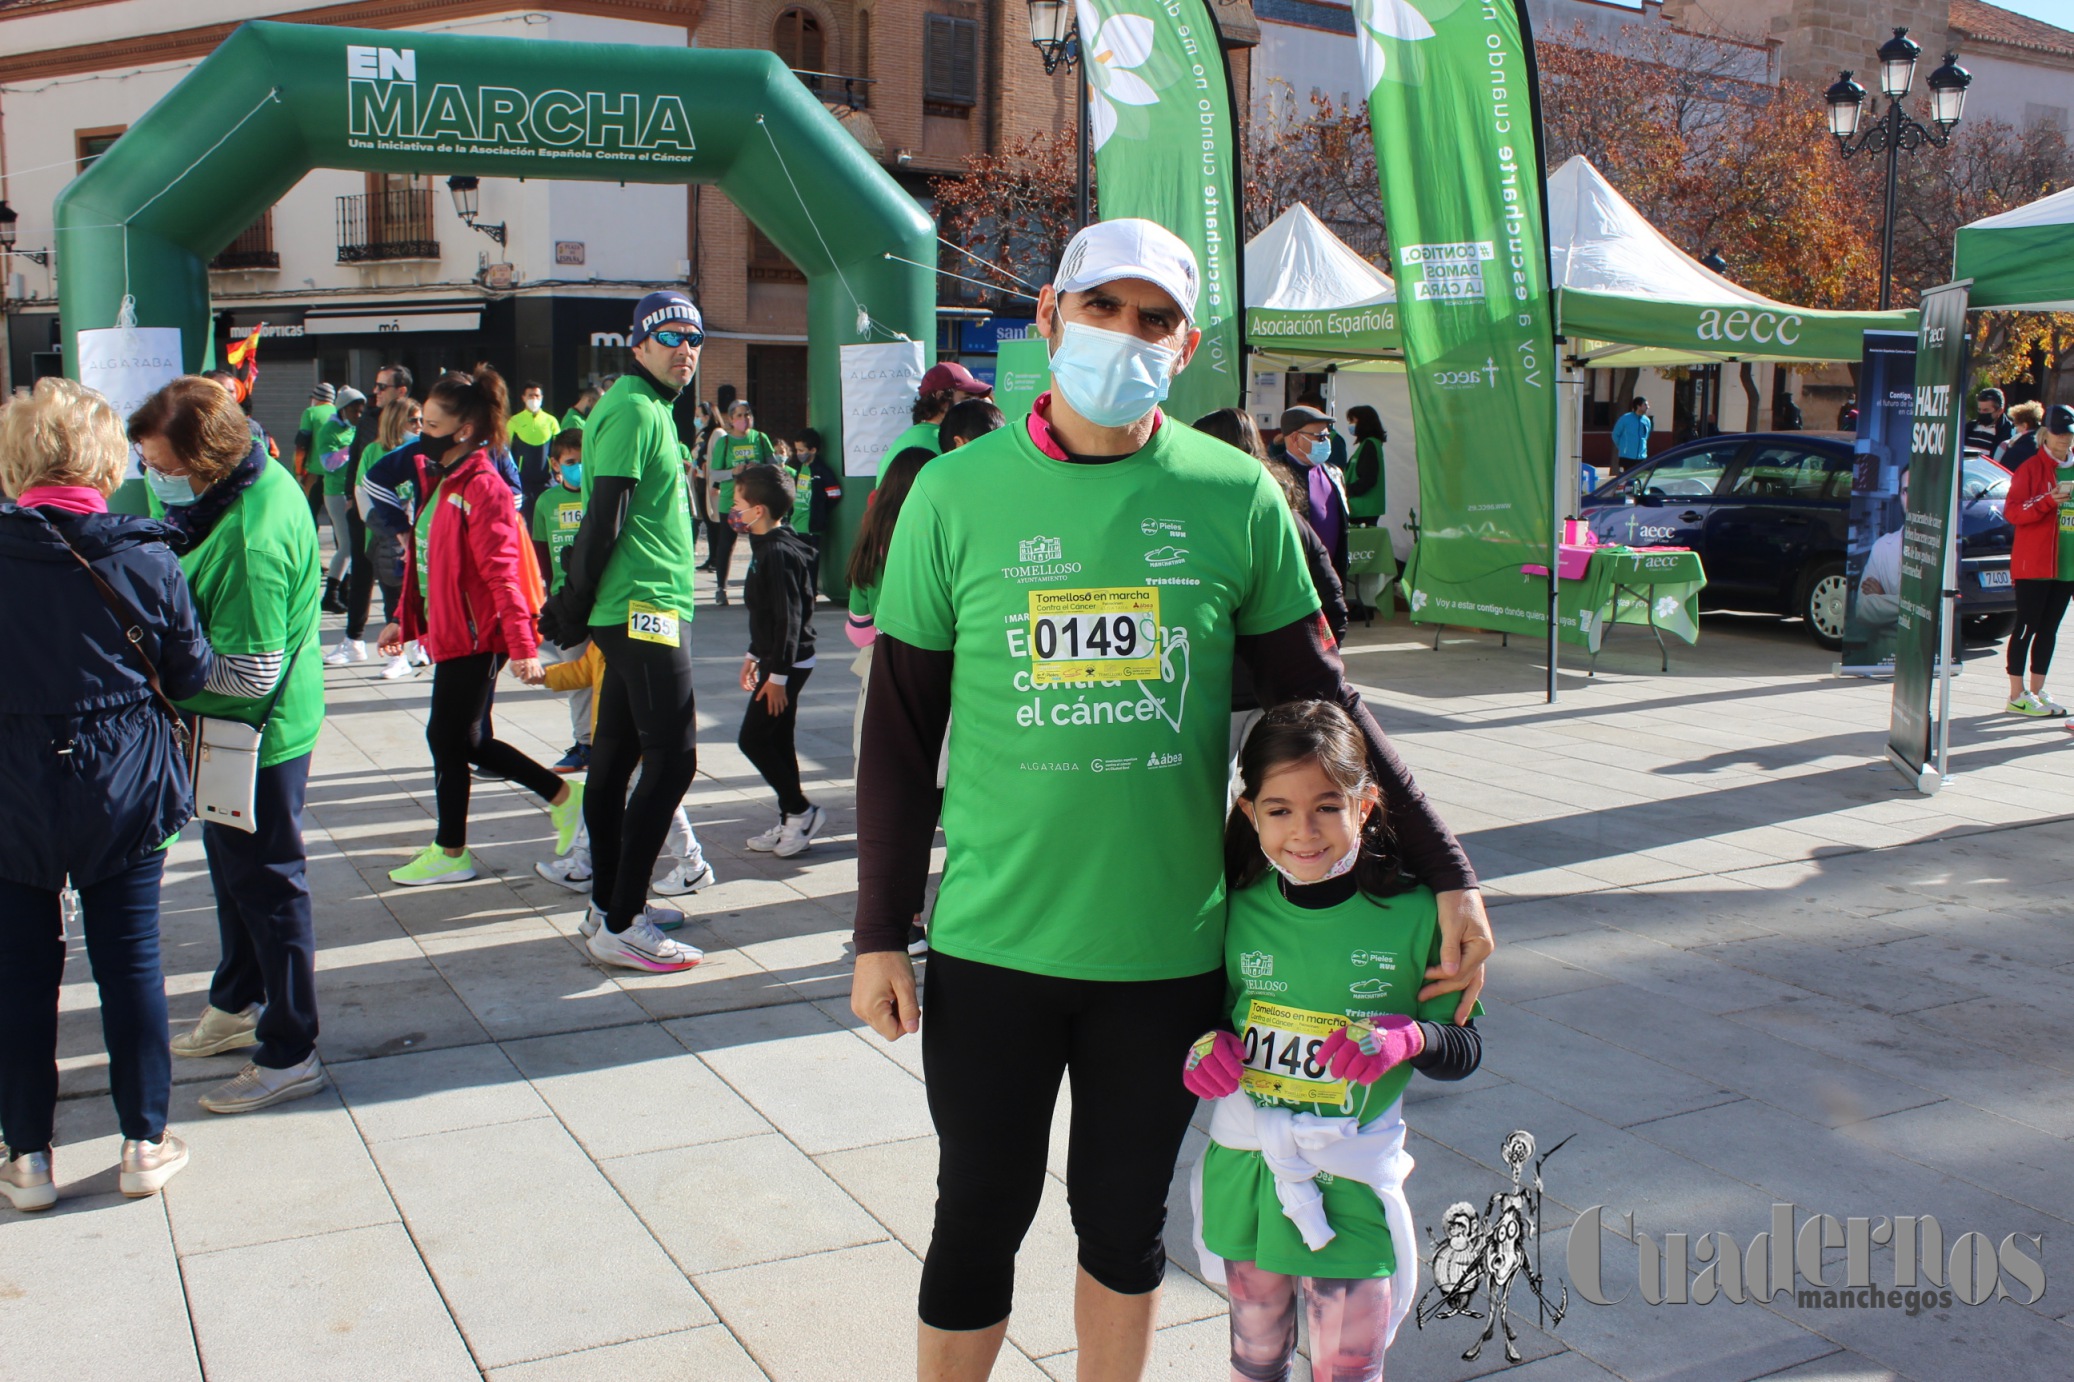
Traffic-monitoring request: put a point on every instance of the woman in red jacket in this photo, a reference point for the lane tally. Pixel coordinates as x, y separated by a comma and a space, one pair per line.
470, 598
2041, 560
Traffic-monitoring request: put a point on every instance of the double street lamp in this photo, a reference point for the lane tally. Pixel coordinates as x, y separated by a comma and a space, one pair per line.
1895, 130
1055, 33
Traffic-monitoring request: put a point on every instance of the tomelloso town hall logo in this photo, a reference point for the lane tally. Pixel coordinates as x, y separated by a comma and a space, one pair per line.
1485, 1263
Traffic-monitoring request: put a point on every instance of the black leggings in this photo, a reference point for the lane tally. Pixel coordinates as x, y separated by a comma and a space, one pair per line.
360, 573
645, 718
720, 543
767, 742
994, 1043
457, 731
2040, 605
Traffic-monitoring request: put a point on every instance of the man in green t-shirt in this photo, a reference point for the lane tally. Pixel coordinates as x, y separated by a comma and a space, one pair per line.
322, 406
333, 440
626, 582
578, 417
943, 388
738, 446
1073, 591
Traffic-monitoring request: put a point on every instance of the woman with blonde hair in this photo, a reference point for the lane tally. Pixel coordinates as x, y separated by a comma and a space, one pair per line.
246, 541
397, 428
90, 758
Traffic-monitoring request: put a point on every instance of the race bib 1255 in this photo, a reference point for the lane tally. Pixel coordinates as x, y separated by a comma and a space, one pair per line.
651, 623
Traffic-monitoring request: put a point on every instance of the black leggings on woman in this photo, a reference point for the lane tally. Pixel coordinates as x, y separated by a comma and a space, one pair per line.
455, 732
994, 1043
2040, 605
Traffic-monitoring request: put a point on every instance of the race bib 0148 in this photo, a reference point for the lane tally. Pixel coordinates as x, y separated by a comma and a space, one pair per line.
651, 623
1282, 1054
1094, 635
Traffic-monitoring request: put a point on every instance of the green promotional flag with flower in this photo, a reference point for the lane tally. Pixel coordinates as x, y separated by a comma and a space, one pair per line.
1451, 99
1160, 106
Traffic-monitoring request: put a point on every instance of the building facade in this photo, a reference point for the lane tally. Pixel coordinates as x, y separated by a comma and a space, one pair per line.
350, 271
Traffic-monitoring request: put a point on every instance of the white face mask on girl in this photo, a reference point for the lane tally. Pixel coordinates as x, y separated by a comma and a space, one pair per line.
1339, 870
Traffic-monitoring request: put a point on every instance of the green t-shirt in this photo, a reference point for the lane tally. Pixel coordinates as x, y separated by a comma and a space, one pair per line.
651, 565
1376, 500
421, 533
314, 417
336, 434
2066, 572
533, 429
1085, 808
862, 598
574, 419
555, 520
257, 581
1297, 975
729, 454
922, 434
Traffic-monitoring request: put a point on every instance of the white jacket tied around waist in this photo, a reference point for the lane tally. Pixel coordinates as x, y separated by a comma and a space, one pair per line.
1296, 1147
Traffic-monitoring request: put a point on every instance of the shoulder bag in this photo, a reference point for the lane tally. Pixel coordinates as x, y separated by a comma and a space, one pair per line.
133, 634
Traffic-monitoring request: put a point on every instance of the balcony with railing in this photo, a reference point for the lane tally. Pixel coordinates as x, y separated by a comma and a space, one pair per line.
835, 89
378, 226
254, 249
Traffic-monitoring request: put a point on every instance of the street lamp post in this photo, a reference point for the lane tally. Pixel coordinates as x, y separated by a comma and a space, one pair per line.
1895, 130
467, 194
1055, 33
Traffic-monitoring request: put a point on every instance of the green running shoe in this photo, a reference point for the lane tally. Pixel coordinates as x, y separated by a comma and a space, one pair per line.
434, 865
568, 818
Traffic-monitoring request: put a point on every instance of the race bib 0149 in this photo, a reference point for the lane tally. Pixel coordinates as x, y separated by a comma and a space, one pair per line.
1282, 1054
1094, 635
651, 623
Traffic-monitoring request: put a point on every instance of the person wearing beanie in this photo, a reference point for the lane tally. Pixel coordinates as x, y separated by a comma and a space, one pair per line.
627, 585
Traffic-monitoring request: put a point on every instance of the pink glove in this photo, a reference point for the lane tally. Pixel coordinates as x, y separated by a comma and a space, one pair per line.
1364, 1051
1215, 1061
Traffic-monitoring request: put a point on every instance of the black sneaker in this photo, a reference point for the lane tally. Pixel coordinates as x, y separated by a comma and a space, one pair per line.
917, 939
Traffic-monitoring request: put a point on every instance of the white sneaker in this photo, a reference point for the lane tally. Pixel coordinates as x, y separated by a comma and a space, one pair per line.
685, 879
348, 650
640, 946
219, 1031
256, 1087
768, 840
147, 1166
798, 832
416, 655
567, 872
662, 918
26, 1181
397, 668
2052, 707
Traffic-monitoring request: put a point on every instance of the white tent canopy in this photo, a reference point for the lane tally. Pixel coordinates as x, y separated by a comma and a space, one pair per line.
1626, 295
1310, 296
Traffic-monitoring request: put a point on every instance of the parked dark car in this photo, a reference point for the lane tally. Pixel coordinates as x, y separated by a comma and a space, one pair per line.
1769, 515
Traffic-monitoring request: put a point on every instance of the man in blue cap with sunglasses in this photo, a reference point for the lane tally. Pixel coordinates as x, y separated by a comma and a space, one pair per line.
629, 589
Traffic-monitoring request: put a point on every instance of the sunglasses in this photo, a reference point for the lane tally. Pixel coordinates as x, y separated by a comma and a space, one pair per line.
670, 340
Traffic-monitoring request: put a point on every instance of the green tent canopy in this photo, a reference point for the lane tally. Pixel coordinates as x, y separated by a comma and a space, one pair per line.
2021, 258
1625, 295
1310, 298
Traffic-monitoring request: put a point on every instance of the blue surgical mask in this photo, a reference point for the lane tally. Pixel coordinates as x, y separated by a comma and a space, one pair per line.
1321, 451
572, 474
172, 490
1111, 379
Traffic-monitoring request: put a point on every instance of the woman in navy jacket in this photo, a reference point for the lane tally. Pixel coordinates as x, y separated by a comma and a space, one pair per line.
93, 774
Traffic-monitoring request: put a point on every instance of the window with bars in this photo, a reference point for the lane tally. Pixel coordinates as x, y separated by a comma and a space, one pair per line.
950, 61
254, 249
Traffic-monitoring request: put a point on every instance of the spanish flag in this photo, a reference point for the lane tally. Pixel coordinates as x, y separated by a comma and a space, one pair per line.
243, 361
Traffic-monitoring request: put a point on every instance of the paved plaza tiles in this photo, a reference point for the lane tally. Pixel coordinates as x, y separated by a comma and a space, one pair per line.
1738, 968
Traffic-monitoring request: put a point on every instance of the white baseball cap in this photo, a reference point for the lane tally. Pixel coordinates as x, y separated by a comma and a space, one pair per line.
1130, 248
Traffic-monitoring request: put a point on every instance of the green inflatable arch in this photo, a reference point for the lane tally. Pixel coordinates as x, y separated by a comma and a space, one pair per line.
277, 100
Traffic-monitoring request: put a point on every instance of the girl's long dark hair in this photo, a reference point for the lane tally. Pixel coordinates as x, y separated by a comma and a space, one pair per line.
875, 534
1320, 732
478, 402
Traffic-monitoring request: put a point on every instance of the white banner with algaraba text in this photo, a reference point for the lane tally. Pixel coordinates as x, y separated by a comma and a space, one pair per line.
880, 382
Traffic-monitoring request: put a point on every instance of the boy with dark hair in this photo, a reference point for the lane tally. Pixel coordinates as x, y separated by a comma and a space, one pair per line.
968, 421
779, 591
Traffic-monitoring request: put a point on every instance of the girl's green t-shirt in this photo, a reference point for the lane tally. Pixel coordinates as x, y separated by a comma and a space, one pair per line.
2066, 569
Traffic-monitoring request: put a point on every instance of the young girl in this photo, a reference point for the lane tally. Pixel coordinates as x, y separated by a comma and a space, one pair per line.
470, 597
1301, 1187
